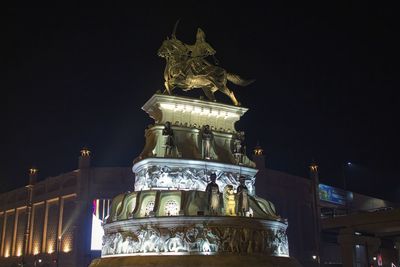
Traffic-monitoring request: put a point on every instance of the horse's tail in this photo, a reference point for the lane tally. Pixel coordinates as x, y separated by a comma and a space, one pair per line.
236, 79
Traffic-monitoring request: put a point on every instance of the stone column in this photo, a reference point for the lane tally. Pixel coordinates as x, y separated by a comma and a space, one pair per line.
346, 240
83, 203
32, 181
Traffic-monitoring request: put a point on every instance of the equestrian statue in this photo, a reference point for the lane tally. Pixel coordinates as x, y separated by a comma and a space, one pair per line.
187, 68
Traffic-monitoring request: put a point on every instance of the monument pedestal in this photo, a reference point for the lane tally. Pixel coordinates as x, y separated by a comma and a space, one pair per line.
169, 219
256, 260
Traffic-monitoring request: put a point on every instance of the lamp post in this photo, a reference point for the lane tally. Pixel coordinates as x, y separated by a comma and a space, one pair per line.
316, 212
344, 167
347, 164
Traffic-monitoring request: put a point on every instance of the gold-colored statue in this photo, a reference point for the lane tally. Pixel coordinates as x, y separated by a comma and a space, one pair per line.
229, 201
187, 68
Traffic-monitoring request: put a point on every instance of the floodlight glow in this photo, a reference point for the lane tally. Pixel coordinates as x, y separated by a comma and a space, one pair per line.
100, 210
97, 234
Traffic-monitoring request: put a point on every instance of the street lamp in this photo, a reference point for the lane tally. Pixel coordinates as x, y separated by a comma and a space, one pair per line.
348, 164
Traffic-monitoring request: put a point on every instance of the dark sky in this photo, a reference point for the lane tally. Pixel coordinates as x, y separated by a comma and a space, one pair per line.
326, 85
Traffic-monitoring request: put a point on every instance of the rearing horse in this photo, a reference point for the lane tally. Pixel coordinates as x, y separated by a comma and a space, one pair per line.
187, 72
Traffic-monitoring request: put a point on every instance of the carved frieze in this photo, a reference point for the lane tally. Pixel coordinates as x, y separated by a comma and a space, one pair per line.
185, 177
197, 239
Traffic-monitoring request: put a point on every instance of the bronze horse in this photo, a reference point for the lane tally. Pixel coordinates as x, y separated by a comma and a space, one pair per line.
186, 71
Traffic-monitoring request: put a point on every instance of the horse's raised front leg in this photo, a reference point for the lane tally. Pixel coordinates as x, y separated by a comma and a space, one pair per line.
167, 90
209, 94
231, 95
167, 80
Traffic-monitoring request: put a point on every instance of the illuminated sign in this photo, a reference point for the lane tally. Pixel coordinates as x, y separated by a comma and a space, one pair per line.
331, 194
100, 210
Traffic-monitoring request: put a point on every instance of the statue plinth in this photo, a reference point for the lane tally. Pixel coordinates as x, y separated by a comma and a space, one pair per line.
189, 112
198, 129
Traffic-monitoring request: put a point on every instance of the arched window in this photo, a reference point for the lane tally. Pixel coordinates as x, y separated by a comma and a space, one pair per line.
171, 208
149, 207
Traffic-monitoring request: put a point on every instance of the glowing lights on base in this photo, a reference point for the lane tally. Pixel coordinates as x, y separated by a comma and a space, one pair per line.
205, 111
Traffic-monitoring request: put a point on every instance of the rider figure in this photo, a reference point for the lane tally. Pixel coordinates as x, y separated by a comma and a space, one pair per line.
199, 51
201, 48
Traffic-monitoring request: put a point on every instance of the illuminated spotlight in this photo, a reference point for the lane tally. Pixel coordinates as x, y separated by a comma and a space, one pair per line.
39, 260
349, 163
357, 233
374, 258
314, 257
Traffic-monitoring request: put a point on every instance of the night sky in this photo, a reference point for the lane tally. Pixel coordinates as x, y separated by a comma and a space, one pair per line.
325, 85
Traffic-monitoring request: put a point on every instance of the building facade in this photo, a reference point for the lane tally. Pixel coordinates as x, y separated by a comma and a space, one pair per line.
329, 226
54, 222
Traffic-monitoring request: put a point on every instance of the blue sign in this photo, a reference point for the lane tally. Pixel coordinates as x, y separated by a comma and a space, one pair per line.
331, 194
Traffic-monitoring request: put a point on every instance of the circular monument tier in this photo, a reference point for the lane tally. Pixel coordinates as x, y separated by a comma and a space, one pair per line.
191, 235
231, 260
188, 174
161, 203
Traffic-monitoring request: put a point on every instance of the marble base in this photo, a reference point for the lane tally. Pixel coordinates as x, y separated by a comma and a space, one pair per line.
255, 260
